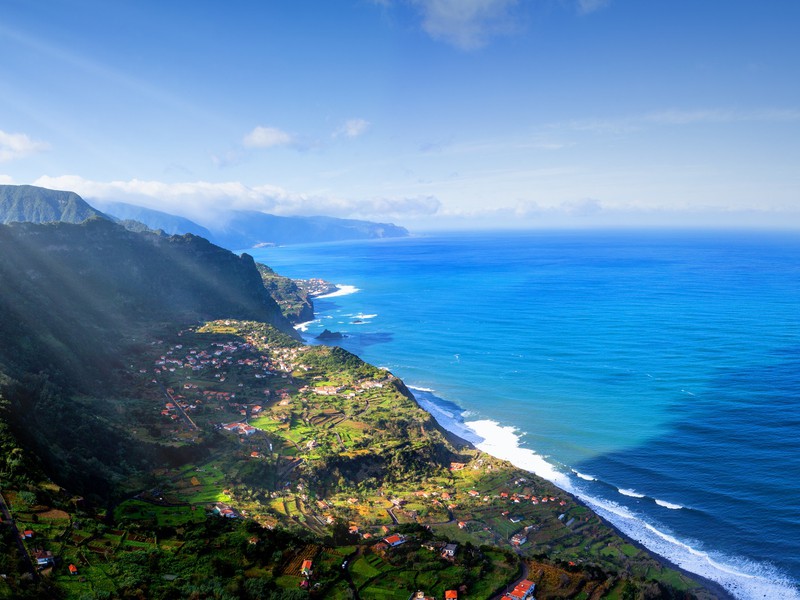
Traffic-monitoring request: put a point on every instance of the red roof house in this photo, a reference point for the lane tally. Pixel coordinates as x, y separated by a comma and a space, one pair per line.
394, 540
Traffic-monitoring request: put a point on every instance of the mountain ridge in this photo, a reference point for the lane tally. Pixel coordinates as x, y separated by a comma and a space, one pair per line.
154, 219
28, 203
234, 230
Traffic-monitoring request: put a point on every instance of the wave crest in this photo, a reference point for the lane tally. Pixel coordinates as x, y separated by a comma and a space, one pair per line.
341, 290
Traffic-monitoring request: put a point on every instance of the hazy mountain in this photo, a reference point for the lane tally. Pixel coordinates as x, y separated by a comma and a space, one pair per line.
235, 230
154, 219
246, 229
31, 204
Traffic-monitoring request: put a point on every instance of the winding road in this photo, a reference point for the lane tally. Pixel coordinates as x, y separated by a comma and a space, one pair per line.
514, 583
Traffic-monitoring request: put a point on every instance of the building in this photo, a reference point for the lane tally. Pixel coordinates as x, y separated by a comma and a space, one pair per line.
522, 591
224, 510
449, 550
395, 540
43, 558
305, 569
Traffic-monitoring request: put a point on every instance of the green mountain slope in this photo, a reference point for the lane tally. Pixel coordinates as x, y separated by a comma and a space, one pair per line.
74, 300
165, 433
69, 291
27, 203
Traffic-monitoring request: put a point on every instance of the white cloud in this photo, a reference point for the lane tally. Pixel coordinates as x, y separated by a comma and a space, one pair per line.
588, 6
466, 24
18, 145
352, 128
207, 202
266, 137
6, 180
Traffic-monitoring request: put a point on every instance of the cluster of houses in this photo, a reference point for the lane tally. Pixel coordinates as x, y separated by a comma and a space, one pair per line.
334, 390
171, 410
44, 558
219, 356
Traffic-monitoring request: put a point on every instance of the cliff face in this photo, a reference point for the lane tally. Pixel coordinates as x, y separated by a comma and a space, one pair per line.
71, 293
294, 302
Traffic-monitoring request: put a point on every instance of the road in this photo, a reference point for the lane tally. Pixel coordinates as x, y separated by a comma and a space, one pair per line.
192, 424
7, 518
514, 583
348, 578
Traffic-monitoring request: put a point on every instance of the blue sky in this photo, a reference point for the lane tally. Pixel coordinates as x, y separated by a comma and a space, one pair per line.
429, 113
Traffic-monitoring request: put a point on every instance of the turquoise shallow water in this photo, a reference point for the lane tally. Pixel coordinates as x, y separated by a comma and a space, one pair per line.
654, 374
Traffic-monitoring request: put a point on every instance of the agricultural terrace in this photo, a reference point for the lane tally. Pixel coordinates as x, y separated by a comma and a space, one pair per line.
276, 454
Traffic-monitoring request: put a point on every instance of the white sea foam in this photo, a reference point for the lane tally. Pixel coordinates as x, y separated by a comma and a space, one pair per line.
630, 493
446, 419
503, 442
363, 316
668, 505
341, 290
584, 476
421, 389
304, 325
743, 579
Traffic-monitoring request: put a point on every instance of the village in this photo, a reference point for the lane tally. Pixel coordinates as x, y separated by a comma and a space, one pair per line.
285, 426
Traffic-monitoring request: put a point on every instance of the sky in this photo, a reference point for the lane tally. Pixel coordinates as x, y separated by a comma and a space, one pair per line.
433, 114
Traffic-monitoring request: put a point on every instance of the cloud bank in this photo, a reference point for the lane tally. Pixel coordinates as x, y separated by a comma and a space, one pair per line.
207, 202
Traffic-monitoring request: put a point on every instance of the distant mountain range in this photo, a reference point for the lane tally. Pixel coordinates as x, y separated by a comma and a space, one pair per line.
246, 229
238, 230
154, 219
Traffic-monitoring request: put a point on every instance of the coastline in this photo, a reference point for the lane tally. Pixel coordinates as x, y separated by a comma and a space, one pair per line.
462, 433
716, 589
731, 576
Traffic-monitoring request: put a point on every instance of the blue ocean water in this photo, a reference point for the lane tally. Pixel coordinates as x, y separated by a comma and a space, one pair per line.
654, 374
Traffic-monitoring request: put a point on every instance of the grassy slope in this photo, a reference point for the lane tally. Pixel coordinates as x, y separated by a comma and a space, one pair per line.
339, 445
94, 355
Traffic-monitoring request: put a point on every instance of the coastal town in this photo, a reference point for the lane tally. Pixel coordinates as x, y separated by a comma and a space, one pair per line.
306, 437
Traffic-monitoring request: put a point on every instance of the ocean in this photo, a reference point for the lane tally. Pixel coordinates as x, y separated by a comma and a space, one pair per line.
654, 374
